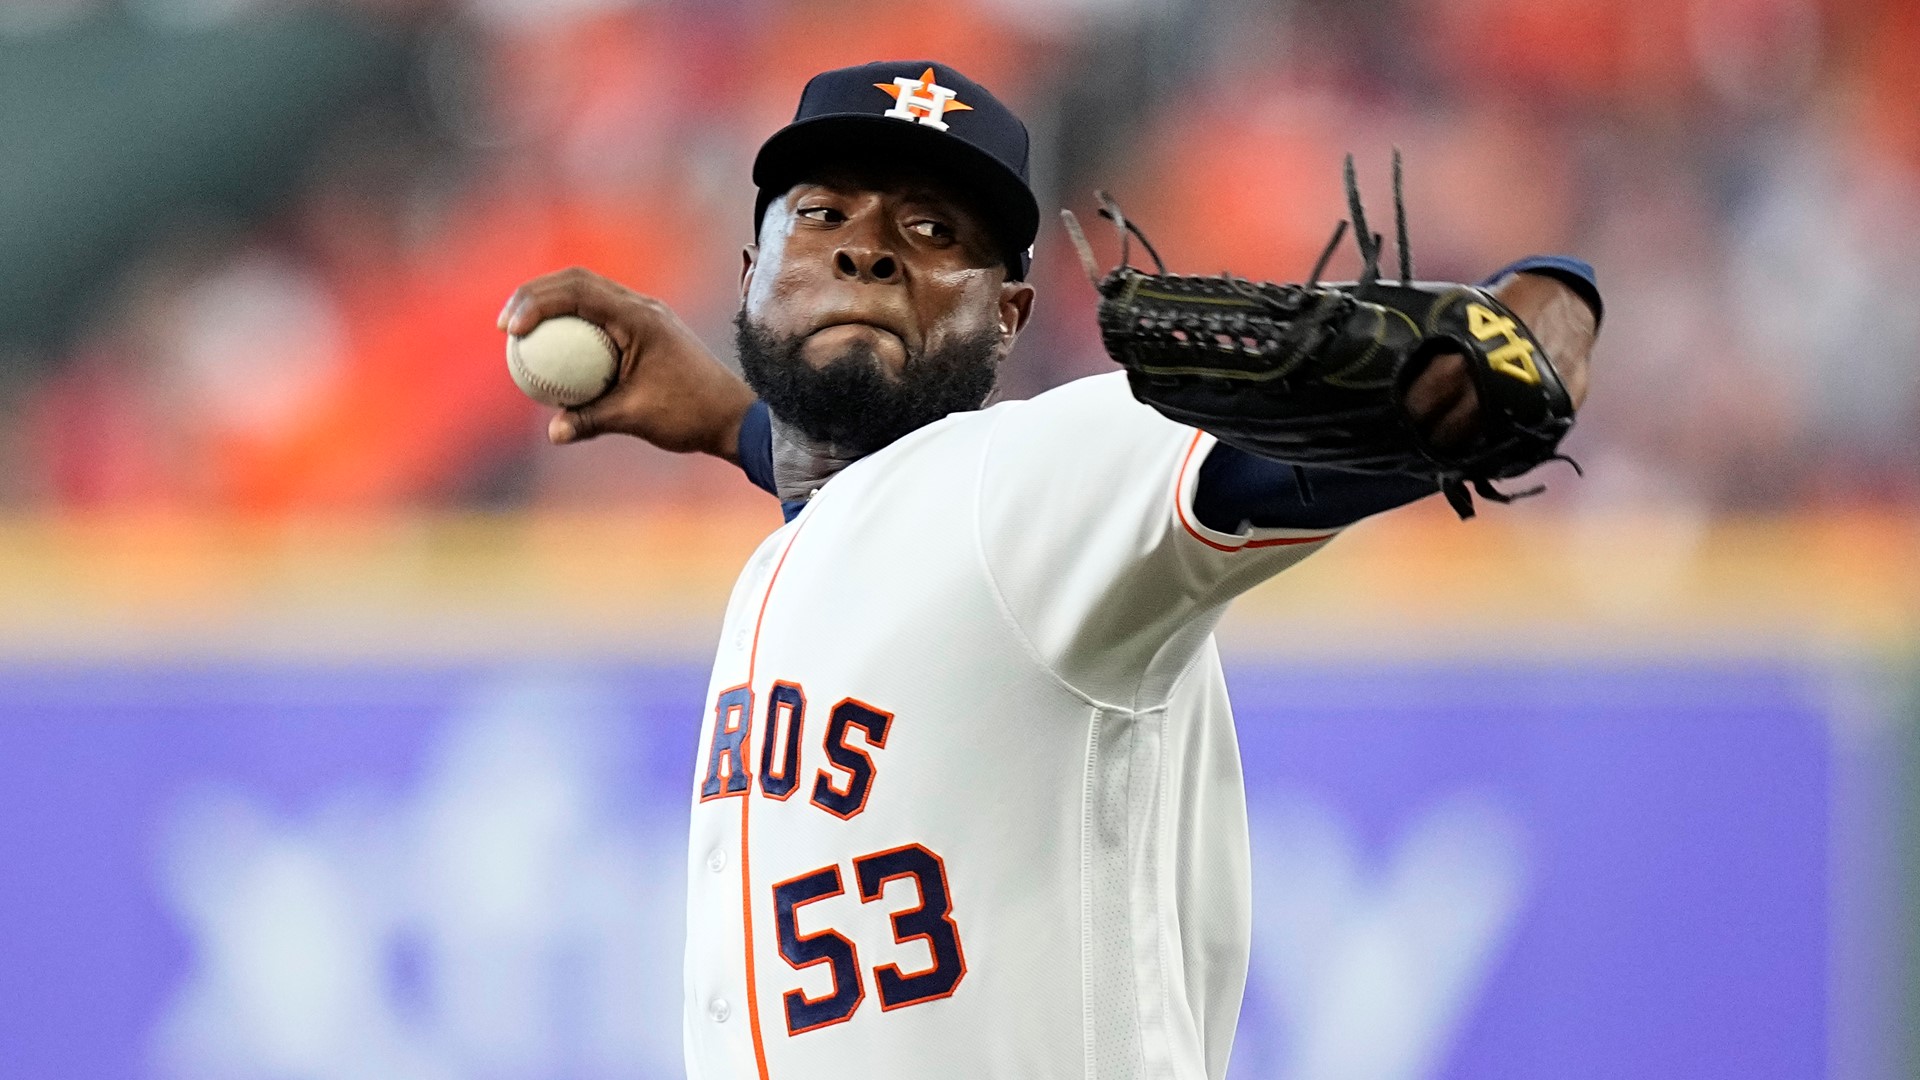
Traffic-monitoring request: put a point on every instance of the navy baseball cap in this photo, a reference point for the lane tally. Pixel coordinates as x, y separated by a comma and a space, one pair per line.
911, 110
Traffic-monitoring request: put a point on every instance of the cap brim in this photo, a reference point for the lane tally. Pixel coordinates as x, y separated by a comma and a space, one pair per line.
796, 150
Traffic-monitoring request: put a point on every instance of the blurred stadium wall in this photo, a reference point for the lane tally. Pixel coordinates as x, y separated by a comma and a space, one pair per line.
345, 725
408, 796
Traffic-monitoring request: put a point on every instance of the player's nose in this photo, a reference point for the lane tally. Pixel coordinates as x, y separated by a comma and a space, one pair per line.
861, 256
865, 264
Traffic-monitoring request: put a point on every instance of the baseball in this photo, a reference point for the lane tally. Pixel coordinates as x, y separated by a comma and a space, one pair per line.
563, 362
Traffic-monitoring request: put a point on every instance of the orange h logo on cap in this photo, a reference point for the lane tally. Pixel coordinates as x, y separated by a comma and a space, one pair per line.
921, 100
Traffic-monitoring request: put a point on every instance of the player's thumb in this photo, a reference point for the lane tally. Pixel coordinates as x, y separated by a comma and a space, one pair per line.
573, 425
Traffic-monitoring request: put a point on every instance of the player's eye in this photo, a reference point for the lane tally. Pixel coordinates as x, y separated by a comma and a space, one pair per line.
932, 228
824, 214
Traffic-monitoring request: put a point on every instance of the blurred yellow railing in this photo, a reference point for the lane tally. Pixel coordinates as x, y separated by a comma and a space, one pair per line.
1514, 582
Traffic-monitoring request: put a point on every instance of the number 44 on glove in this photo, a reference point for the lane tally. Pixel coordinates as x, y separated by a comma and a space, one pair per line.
1318, 374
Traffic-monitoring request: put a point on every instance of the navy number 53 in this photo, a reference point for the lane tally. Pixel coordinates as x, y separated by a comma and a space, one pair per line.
930, 920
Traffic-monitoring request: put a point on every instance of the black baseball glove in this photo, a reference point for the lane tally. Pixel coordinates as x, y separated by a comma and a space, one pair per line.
1318, 374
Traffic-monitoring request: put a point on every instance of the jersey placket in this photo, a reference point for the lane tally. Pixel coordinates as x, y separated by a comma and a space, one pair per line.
746, 806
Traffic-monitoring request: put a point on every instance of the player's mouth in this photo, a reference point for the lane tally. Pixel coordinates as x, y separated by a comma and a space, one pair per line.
848, 319
885, 344
859, 322
835, 338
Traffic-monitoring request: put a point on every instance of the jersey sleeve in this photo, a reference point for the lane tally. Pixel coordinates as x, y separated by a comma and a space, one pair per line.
1088, 531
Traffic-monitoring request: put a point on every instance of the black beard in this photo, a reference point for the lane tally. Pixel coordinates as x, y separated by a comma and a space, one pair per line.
851, 403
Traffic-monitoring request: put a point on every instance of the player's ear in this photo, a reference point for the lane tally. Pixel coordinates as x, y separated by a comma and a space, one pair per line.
1016, 307
748, 256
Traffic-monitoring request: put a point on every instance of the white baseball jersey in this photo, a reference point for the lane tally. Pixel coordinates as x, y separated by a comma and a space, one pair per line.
968, 801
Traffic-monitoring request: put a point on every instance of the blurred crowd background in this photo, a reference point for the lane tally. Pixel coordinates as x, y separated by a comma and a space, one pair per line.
251, 251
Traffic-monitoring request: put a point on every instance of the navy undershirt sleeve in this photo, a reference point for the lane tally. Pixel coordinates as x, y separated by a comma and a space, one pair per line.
1236, 489
756, 447
1576, 274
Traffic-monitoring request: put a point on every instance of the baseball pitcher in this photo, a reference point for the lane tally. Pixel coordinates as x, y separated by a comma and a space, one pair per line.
966, 799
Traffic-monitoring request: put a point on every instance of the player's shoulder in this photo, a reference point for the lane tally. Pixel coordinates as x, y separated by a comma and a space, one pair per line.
1100, 400
1092, 410
1087, 416
1107, 390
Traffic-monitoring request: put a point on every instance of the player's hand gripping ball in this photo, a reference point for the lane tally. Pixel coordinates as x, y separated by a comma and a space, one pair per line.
565, 362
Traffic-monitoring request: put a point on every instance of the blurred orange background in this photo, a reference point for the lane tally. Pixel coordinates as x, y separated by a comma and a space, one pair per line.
316, 335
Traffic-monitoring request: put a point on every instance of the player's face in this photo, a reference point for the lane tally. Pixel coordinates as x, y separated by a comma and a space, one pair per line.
880, 260
874, 304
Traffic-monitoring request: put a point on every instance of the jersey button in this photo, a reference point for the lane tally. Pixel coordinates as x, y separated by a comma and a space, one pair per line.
717, 860
719, 1010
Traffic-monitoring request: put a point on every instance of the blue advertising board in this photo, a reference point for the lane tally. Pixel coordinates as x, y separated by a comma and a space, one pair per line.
1521, 870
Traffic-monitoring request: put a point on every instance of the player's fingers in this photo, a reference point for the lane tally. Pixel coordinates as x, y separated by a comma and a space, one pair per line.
573, 425
1438, 389
537, 301
558, 293
582, 293
1456, 427
510, 318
